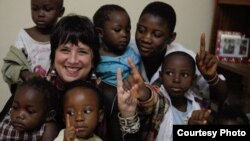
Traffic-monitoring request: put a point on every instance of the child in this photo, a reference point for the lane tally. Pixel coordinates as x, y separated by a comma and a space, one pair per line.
112, 24
158, 19
29, 55
177, 76
83, 111
32, 113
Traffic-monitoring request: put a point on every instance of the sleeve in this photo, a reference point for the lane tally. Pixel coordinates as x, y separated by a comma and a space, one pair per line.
14, 62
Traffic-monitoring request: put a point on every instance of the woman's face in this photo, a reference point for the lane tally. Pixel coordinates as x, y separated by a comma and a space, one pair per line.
73, 62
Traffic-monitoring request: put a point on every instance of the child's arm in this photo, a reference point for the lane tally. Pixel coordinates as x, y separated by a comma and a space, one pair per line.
14, 62
51, 132
199, 117
207, 64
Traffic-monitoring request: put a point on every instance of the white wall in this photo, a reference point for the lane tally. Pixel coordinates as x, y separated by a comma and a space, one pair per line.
193, 17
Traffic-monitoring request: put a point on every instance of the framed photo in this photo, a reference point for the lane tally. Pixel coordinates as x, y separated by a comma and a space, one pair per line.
232, 47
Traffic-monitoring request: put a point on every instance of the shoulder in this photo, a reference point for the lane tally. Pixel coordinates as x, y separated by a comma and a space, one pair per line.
50, 131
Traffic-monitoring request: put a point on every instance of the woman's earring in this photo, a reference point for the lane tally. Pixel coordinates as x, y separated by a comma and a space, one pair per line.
51, 74
93, 76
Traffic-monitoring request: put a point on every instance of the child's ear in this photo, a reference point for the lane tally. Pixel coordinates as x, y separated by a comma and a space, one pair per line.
51, 116
171, 38
99, 31
62, 11
101, 115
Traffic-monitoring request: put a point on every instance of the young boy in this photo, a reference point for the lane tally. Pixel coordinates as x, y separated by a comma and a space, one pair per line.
32, 113
29, 55
177, 76
113, 26
83, 110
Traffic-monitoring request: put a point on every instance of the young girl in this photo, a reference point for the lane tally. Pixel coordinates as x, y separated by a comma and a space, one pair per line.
113, 26
83, 110
29, 55
32, 113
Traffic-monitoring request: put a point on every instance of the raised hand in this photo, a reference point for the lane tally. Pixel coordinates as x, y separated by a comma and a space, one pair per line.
69, 132
127, 102
206, 62
199, 117
135, 78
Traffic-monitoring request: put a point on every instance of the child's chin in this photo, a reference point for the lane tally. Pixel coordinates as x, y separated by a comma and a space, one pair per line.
83, 135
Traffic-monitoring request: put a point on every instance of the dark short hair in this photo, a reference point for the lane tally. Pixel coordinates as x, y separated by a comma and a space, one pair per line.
103, 13
85, 84
189, 58
74, 28
163, 10
44, 88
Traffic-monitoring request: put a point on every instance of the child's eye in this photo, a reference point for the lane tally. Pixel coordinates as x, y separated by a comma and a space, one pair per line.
87, 111
71, 113
157, 34
141, 29
117, 29
184, 74
30, 111
169, 73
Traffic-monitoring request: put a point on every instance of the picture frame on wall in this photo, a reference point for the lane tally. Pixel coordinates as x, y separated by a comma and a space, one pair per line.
232, 47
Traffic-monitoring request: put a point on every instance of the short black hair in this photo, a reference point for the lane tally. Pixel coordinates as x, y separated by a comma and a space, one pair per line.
86, 84
44, 88
181, 53
103, 14
163, 10
74, 28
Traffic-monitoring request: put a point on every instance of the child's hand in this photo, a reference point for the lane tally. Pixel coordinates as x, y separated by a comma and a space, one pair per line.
69, 132
127, 102
134, 79
199, 117
206, 62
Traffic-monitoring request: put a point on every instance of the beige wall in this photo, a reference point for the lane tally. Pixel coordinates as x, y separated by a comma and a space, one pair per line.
193, 17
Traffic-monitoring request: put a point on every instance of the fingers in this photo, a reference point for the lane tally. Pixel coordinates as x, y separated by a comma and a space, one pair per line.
202, 47
136, 74
67, 121
119, 78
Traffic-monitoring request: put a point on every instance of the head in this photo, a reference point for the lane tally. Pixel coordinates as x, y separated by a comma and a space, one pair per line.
84, 106
45, 13
113, 26
155, 29
230, 115
177, 73
74, 48
34, 103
